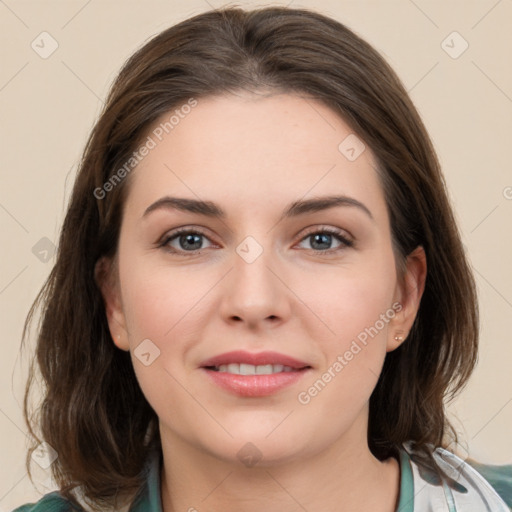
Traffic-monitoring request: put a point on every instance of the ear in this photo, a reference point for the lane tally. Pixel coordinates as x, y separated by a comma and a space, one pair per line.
105, 275
408, 293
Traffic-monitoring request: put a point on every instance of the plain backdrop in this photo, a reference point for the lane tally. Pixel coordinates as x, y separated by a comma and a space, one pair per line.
454, 58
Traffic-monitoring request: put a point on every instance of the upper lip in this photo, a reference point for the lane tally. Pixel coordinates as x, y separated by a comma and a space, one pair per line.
254, 358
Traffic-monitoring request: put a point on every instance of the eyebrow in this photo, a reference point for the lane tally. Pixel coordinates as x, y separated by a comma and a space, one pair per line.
210, 209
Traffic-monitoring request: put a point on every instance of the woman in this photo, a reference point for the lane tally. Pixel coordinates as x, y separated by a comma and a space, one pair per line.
261, 299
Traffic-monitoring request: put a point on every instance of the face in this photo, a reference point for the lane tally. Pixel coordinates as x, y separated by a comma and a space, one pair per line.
248, 227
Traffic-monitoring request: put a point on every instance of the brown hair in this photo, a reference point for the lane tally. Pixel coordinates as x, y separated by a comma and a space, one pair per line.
93, 411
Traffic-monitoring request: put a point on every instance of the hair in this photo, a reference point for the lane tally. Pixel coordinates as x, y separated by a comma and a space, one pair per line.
93, 411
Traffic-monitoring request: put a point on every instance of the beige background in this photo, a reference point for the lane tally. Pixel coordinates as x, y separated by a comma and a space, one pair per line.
49, 105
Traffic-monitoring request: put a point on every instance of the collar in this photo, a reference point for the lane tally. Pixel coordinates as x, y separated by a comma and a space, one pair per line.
150, 500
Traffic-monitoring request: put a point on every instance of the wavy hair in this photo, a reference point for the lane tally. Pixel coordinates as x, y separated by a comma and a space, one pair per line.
92, 409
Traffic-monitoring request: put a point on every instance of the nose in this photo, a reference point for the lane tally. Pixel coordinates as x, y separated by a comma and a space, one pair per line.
255, 294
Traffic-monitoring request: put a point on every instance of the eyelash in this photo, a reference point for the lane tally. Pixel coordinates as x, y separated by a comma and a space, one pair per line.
337, 234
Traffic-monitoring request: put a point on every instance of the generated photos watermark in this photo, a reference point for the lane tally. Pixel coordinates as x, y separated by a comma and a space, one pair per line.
342, 360
144, 149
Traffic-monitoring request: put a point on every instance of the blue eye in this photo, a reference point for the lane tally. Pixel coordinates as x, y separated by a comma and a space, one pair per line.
326, 240
186, 241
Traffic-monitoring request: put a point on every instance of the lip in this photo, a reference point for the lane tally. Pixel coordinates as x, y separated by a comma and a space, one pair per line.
258, 358
254, 385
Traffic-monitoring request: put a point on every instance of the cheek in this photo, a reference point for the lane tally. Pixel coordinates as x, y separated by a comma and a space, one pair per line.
163, 307
170, 308
353, 313
349, 301
158, 302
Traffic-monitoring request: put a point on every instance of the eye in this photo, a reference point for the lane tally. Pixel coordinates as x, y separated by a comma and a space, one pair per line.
185, 240
326, 240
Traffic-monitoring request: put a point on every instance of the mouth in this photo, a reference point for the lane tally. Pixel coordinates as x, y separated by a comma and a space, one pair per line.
251, 369
242, 362
254, 374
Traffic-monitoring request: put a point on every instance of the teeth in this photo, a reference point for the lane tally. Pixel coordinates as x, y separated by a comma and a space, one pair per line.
250, 369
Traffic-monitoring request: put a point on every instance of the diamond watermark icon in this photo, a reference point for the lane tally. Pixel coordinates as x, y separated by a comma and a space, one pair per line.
249, 455
44, 455
454, 45
146, 352
43, 249
351, 147
249, 249
44, 45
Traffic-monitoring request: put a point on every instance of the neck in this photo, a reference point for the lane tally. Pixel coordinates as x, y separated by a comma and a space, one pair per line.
342, 477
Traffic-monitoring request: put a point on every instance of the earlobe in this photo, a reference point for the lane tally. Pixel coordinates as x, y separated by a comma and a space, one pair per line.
104, 275
408, 293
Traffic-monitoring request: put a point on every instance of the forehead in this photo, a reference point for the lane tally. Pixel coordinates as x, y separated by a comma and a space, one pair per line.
251, 150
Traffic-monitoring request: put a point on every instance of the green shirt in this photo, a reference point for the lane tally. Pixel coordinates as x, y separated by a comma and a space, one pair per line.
420, 489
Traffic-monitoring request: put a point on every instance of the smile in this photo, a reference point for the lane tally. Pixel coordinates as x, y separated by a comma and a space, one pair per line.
250, 369
255, 385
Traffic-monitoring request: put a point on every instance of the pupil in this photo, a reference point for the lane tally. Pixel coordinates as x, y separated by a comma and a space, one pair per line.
190, 241
321, 241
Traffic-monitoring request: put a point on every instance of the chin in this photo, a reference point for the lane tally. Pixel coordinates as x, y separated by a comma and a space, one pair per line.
255, 447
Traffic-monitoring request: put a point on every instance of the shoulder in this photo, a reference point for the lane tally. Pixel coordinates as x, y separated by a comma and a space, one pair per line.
52, 502
147, 498
462, 487
500, 477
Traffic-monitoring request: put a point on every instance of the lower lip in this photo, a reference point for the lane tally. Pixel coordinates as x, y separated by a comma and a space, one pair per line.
254, 385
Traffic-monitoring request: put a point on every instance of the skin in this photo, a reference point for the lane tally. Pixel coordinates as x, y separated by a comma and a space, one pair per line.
253, 156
